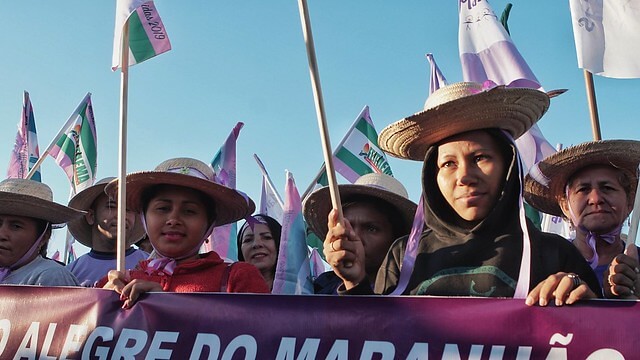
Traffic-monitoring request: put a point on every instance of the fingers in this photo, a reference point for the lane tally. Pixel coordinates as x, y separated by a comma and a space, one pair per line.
623, 278
133, 290
116, 280
564, 288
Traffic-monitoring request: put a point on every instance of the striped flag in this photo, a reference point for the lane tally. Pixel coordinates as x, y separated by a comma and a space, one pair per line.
147, 35
224, 168
293, 269
270, 201
436, 79
25, 152
76, 151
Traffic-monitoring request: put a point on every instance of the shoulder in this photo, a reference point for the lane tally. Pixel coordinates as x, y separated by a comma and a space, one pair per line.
49, 273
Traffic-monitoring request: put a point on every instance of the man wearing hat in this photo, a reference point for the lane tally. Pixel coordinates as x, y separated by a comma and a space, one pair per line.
98, 231
27, 212
378, 208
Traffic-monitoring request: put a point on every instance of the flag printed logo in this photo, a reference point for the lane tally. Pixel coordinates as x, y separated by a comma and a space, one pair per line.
376, 160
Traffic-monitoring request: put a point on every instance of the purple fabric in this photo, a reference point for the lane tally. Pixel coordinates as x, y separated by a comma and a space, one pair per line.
411, 251
436, 79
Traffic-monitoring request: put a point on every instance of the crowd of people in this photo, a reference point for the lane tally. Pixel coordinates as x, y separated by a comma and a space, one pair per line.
475, 241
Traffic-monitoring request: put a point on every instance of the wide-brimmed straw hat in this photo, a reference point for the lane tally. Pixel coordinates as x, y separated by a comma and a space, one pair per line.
317, 206
462, 107
21, 197
80, 228
546, 181
230, 205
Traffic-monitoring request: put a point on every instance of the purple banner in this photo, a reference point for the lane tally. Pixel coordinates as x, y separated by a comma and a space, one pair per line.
78, 323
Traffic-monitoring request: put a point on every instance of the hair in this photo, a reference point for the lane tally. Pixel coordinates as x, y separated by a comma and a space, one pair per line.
398, 223
274, 227
150, 192
43, 228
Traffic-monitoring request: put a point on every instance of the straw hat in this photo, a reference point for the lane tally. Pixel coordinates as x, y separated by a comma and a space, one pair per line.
317, 206
80, 228
231, 205
21, 197
546, 180
461, 107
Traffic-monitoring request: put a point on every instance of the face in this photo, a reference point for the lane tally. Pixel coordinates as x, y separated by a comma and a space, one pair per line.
103, 216
17, 235
470, 173
598, 200
259, 248
375, 230
176, 221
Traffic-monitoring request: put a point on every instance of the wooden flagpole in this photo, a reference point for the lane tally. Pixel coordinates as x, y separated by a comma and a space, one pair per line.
593, 106
317, 95
122, 155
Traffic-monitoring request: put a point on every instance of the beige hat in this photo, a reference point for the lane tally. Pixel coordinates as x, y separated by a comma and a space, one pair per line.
21, 197
317, 206
461, 107
231, 205
546, 181
80, 228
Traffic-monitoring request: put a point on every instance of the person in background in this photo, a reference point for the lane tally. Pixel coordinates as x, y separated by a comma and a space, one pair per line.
27, 212
478, 241
180, 204
378, 209
259, 244
98, 230
593, 185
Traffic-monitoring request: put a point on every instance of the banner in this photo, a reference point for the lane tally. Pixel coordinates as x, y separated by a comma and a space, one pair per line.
81, 323
25, 152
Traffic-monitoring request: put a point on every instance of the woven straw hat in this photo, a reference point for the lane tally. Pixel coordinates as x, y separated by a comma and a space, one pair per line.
317, 206
546, 181
21, 197
231, 205
80, 228
461, 107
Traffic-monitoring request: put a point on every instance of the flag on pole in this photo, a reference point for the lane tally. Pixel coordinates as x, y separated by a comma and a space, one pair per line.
607, 34
25, 152
293, 269
76, 151
436, 79
147, 35
224, 169
270, 201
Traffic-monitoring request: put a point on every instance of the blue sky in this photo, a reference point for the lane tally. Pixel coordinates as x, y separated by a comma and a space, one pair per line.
246, 61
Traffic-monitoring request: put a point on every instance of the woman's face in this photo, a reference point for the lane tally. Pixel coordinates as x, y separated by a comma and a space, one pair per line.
598, 200
375, 231
259, 248
176, 221
17, 235
470, 173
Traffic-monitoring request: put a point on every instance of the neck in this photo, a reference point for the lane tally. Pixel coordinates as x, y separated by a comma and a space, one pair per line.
268, 278
606, 251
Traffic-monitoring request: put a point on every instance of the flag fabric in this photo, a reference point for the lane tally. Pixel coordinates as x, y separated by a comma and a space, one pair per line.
607, 34
317, 263
436, 79
224, 169
293, 269
556, 225
56, 256
76, 151
147, 35
25, 151
270, 201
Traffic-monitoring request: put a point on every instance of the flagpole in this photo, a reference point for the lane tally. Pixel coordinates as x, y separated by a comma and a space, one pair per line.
593, 106
635, 218
266, 176
317, 95
55, 139
122, 156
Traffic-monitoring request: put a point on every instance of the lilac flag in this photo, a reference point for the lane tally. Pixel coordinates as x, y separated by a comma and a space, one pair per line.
270, 201
436, 79
224, 168
25, 151
293, 272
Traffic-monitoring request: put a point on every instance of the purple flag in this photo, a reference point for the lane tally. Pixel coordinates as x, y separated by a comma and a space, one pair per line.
270, 201
436, 79
293, 272
25, 152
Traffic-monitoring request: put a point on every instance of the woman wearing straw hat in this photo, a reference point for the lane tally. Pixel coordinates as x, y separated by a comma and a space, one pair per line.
180, 204
98, 230
27, 212
478, 241
378, 209
593, 186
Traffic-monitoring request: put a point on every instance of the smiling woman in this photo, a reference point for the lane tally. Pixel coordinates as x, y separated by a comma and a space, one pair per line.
259, 244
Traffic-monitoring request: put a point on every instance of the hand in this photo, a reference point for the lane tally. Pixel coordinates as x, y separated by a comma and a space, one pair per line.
565, 288
344, 251
623, 280
129, 290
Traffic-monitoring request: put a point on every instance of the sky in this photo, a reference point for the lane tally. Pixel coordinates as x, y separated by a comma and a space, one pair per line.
246, 61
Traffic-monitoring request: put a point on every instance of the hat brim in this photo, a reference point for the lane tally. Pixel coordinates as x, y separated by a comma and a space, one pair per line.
317, 206
512, 109
34, 207
80, 228
559, 167
230, 205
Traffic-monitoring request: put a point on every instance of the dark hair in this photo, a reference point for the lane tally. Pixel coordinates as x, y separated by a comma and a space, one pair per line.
150, 192
274, 227
623, 179
398, 224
